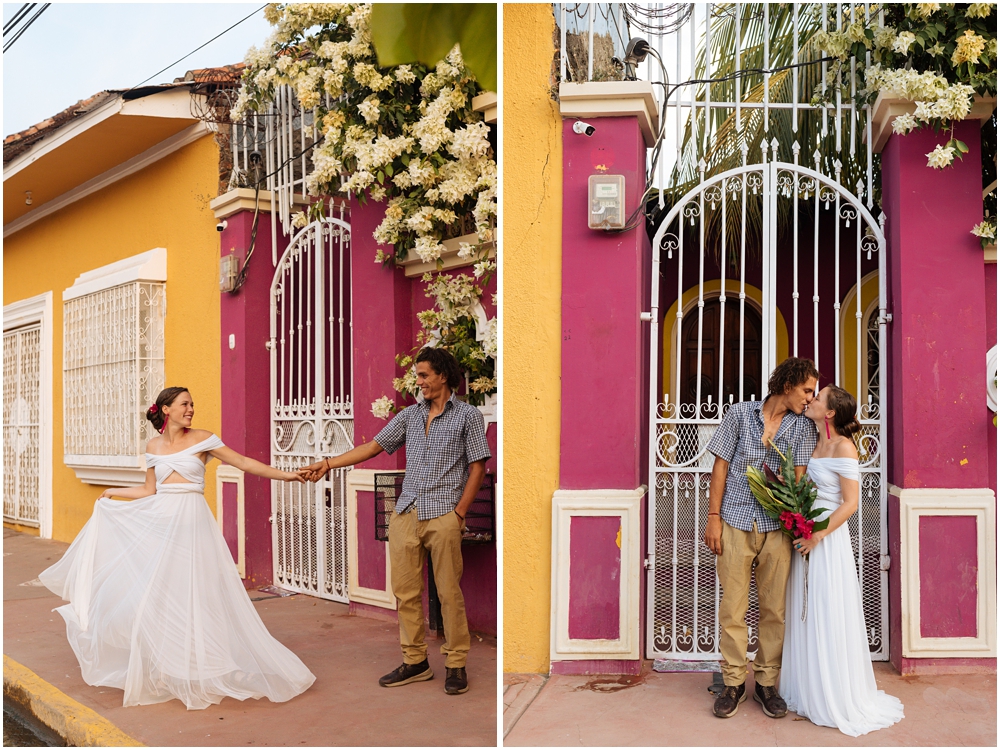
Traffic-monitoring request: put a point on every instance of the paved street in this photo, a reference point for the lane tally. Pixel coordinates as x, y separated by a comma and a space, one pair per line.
656, 709
347, 654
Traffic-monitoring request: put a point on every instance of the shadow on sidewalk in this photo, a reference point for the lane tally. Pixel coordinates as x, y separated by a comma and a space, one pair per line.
345, 706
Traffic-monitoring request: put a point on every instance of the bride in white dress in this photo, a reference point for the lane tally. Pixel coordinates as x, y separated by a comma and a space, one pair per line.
826, 673
156, 606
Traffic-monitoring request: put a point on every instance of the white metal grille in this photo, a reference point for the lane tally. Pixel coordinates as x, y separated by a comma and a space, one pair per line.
312, 407
694, 249
21, 424
112, 368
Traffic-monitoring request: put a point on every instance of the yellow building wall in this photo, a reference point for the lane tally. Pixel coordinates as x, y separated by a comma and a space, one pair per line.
532, 271
164, 205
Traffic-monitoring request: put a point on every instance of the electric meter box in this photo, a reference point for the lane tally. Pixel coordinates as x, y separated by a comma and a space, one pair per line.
607, 201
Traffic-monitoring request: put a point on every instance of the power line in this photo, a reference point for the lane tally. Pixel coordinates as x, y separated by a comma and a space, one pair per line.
17, 17
27, 25
198, 48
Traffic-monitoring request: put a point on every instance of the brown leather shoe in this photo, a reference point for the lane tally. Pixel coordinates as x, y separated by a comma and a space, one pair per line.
772, 703
729, 700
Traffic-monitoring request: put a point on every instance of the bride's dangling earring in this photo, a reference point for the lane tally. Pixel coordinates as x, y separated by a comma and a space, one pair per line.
826, 421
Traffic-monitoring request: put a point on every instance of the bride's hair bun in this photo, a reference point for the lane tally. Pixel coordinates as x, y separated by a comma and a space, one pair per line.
167, 397
845, 408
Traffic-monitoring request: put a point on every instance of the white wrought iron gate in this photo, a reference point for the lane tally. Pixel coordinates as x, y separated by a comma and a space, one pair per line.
744, 289
21, 425
312, 407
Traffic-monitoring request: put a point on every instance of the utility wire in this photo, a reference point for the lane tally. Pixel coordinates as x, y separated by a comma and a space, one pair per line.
195, 50
7, 45
17, 17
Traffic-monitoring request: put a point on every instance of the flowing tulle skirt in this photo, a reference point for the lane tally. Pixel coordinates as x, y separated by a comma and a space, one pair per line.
826, 669
157, 609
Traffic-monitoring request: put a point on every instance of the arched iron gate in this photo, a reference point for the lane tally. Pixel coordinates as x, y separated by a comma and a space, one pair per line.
730, 222
312, 407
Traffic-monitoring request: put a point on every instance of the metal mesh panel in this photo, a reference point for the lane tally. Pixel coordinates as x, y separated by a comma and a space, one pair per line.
312, 414
21, 424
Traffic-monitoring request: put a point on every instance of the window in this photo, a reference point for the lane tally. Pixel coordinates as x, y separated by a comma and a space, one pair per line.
113, 319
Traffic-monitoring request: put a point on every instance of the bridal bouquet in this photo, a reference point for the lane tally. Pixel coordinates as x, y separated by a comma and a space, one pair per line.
790, 503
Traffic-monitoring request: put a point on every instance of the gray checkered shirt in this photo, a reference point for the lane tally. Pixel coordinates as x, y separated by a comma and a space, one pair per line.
437, 463
740, 441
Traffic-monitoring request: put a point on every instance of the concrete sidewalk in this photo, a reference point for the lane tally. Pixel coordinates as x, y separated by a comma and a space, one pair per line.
655, 709
345, 706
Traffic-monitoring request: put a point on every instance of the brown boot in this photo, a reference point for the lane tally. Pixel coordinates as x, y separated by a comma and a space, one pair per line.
729, 700
772, 703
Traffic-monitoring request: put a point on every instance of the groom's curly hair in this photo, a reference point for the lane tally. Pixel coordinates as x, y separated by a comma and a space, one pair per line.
444, 363
790, 373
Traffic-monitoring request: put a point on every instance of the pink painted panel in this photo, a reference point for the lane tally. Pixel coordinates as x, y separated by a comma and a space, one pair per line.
948, 570
371, 552
937, 424
595, 572
604, 287
230, 518
991, 340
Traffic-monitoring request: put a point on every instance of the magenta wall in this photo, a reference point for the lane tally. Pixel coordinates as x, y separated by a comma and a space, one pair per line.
938, 428
991, 340
948, 570
384, 316
605, 373
246, 413
604, 288
940, 435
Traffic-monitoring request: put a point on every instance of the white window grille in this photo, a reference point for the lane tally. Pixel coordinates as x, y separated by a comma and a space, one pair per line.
113, 339
21, 424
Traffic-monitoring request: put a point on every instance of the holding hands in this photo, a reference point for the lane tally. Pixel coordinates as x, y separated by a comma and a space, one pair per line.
314, 472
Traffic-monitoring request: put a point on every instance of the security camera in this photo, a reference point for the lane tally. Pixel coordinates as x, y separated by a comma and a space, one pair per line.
221, 226
583, 128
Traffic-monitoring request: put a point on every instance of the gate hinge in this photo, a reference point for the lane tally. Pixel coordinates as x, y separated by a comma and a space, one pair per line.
270, 519
646, 317
649, 563
269, 344
884, 562
887, 318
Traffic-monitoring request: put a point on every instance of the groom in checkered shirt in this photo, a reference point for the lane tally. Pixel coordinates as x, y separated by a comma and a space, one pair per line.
740, 533
446, 453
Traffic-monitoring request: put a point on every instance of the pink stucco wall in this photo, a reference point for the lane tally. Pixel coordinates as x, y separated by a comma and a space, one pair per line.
384, 316
938, 427
939, 431
605, 287
246, 413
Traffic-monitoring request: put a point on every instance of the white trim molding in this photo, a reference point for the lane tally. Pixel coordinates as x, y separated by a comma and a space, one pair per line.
975, 503
227, 474
363, 480
38, 309
486, 103
887, 109
148, 266
612, 99
135, 164
626, 505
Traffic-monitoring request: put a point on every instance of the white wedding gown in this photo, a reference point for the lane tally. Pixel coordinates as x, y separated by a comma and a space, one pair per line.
156, 606
826, 668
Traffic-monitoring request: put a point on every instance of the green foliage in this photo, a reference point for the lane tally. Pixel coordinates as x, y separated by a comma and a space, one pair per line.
425, 32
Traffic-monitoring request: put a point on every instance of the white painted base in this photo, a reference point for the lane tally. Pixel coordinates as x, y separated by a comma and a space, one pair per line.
363, 480
980, 504
626, 505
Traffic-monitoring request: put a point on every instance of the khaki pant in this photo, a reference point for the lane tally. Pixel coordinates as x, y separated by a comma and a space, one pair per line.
773, 552
409, 542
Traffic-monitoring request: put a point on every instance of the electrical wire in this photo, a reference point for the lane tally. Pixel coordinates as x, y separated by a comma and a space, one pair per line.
7, 45
198, 48
16, 19
631, 223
